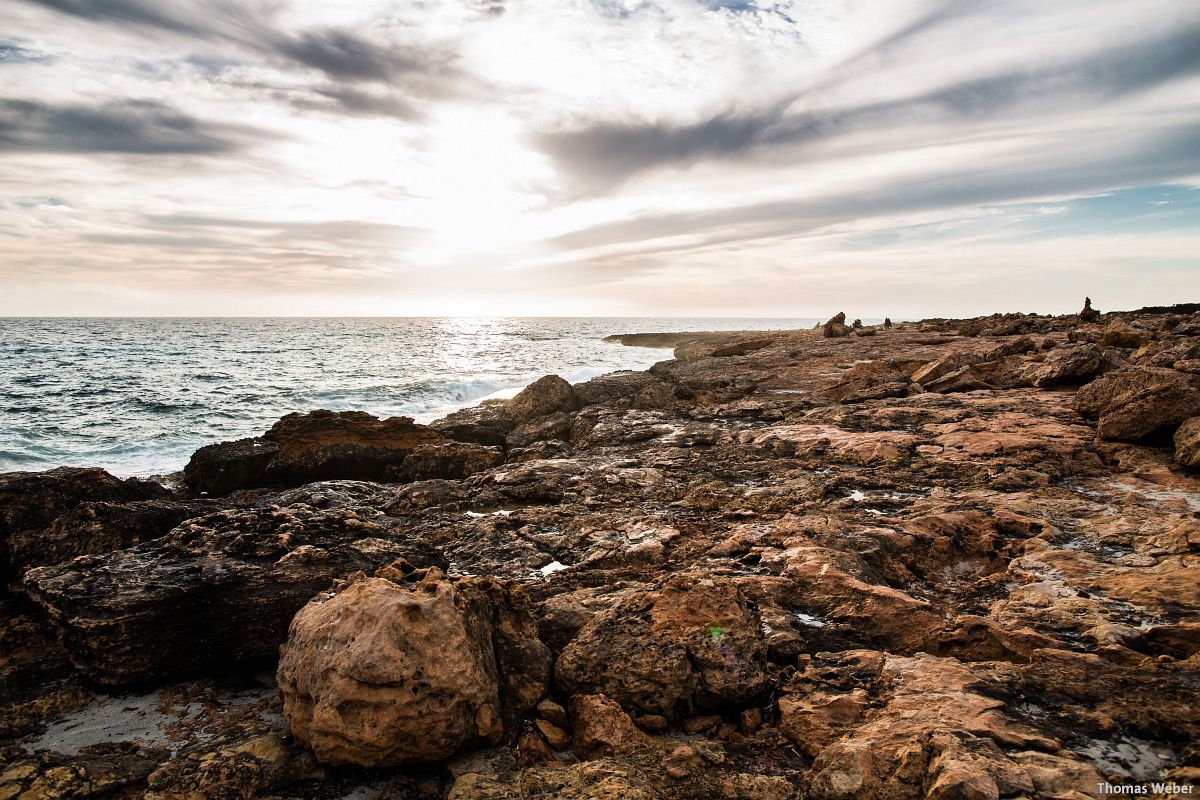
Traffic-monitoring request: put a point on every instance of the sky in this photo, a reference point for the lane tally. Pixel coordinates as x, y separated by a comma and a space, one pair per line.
597, 157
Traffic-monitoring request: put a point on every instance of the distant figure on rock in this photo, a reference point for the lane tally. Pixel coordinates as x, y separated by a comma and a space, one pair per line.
856, 324
836, 327
887, 322
1088, 314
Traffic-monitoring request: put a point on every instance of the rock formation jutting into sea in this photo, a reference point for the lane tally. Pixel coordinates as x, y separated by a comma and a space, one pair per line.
953, 559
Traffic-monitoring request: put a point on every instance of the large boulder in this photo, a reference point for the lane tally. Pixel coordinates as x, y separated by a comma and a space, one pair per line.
694, 644
1066, 365
410, 666
1134, 403
30, 501
1120, 333
217, 590
546, 395
303, 448
1187, 443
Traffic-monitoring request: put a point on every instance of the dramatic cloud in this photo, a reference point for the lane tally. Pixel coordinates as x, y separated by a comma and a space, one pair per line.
598, 156
130, 126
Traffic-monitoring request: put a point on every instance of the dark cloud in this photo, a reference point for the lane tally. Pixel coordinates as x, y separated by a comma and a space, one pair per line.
130, 126
13, 53
1155, 159
339, 53
344, 55
605, 154
162, 14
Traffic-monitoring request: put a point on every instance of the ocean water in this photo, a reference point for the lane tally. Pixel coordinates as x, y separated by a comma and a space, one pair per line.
138, 396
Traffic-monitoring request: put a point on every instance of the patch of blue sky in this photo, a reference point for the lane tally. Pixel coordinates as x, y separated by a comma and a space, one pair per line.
1142, 209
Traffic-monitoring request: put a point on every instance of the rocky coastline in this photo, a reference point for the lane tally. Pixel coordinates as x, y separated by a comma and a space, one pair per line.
942, 559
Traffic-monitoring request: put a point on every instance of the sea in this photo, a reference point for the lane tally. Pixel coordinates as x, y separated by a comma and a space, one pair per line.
137, 396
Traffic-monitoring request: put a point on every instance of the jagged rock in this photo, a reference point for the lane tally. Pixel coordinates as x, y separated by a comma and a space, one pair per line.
94, 528
618, 389
874, 380
217, 590
836, 327
410, 669
999, 373
603, 728
303, 448
31, 501
1134, 403
695, 643
1120, 333
104, 770
540, 429
487, 424
1187, 443
546, 395
946, 365
1066, 365
1088, 314
448, 461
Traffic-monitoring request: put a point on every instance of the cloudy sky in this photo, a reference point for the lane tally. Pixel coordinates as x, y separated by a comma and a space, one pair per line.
563, 157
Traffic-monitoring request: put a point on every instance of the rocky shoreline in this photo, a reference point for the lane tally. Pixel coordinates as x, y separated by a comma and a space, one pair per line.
946, 559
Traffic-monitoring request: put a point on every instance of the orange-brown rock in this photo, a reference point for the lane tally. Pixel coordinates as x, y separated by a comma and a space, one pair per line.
695, 643
384, 673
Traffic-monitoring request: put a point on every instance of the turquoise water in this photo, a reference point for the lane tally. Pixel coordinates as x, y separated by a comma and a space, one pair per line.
138, 396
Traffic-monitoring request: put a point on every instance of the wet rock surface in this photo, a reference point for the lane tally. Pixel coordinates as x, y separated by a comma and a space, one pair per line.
946, 559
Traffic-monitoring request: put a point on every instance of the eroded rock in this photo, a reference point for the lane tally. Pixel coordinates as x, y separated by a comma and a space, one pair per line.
410, 669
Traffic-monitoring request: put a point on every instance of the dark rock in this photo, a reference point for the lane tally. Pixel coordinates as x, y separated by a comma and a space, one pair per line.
105, 770
540, 429
452, 461
30, 501
216, 591
324, 445
836, 327
1134, 403
1088, 314
221, 468
487, 425
100, 527
303, 448
636, 389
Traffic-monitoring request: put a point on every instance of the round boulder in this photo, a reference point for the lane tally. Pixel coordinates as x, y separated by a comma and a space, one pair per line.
385, 673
